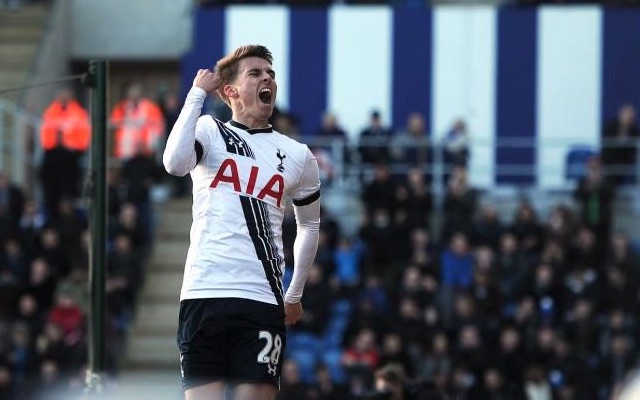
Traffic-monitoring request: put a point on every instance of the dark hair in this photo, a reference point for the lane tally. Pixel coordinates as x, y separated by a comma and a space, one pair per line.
226, 69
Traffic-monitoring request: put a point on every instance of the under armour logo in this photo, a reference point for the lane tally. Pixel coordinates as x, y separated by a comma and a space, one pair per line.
281, 157
272, 369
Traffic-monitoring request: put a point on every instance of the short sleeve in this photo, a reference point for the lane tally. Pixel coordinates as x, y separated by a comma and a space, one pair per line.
308, 189
206, 131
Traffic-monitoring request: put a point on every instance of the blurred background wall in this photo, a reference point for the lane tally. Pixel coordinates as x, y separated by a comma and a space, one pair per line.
548, 76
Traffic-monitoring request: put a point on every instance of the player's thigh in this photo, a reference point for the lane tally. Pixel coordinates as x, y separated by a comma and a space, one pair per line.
209, 391
256, 346
254, 391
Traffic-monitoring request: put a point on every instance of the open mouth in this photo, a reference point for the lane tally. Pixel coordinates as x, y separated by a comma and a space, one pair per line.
265, 95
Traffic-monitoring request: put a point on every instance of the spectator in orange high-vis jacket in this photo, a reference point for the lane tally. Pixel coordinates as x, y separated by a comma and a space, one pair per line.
66, 120
138, 123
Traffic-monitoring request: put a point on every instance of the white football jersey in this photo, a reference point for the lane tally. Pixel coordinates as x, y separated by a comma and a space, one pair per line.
240, 186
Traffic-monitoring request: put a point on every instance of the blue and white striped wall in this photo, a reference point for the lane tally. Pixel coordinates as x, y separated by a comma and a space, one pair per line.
551, 75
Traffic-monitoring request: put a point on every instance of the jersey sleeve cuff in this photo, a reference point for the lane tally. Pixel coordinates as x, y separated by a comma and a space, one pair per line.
292, 299
196, 93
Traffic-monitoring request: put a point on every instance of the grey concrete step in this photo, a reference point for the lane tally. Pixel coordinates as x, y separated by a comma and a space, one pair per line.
24, 15
13, 76
150, 316
166, 267
169, 254
15, 64
177, 205
171, 235
174, 222
158, 331
160, 351
26, 22
15, 70
163, 283
18, 37
20, 34
17, 50
152, 339
159, 296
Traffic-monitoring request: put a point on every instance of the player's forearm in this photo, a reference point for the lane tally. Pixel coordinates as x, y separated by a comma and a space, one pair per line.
304, 248
179, 156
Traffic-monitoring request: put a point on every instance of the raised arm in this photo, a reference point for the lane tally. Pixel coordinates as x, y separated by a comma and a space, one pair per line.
182, 152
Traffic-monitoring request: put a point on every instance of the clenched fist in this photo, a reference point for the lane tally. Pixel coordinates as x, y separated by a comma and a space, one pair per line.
293, 313
205, 80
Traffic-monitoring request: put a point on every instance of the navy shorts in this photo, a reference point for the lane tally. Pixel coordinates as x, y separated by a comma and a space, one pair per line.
230, 339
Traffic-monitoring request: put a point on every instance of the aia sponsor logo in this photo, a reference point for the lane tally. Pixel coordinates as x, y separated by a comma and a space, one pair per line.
228, 174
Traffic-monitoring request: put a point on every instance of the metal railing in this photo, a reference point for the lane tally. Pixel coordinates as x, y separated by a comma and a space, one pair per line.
348, 169
340, 159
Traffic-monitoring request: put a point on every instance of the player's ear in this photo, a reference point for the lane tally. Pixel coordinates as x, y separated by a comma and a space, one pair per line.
230, 91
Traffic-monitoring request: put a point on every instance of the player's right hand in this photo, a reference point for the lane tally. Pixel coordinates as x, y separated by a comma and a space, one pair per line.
205, 80
293, 313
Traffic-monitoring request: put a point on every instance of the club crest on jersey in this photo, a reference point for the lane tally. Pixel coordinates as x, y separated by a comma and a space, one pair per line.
228, 173
281, 157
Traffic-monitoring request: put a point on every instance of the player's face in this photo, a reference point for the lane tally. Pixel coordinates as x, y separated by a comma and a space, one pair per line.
256, 86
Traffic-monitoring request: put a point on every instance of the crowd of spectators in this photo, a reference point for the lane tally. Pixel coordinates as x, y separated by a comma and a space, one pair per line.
44, 255
429, 298
480, 305
44, 299
498, 307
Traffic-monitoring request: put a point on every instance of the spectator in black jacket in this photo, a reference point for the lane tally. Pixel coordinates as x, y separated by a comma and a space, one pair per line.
414, 197
459, 205
374, 141
380, 193
595, 196
138, 176
58, 165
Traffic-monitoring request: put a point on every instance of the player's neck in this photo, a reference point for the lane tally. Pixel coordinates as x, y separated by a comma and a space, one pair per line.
251, 122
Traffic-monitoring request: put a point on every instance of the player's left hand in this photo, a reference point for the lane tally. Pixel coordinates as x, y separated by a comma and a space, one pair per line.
292, 313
